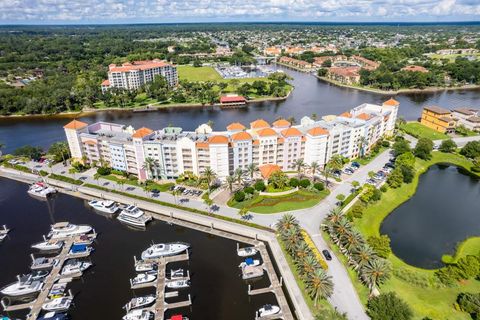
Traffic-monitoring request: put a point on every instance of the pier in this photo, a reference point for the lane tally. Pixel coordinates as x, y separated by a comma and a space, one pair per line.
160, 282
35, 306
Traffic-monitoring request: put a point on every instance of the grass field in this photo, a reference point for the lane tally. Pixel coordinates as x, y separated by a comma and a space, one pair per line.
471, 246
191, 73
418, 130
267, 204
451, 57
434, 302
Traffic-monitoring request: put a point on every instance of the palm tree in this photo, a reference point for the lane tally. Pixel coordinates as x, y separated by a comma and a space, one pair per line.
362, 256
319, 285
352, 240
251, 169
209, 175
291, 238
302, 250
314, 166
375, 272
298, 164
286, 222
238, 175
308, 265
230, 180
334, 216
362, 142
96, 176
149, 165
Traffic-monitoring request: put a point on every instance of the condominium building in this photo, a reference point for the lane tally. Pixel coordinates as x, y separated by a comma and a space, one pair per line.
166, 153
133, 75
438, 118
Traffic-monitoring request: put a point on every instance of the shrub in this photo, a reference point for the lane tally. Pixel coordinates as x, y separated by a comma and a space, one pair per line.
357, 210
104, 171
319, 186
370, 194
400, 147
471, 149
470, 303
387, 306
448, 146
249, 190
117, 172
239, 196
294, 182
260, 185
395, 179
43, 173
475, 169
381, 245
385, 144
377, 195
384, 188
423, 149
304, 183
405, 159
407, 173
466, 268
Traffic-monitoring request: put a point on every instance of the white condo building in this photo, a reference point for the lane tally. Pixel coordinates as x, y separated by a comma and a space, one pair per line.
133, 75
175, 151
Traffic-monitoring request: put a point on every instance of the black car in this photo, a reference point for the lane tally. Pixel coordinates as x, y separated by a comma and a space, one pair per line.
327, 255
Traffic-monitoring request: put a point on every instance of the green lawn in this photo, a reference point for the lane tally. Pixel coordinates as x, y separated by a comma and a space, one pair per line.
471, 246
434, 302
418, 130
190, 73
267, 204
451, 57
369, 157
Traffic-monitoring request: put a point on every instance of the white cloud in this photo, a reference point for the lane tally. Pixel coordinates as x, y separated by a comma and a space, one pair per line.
31, 11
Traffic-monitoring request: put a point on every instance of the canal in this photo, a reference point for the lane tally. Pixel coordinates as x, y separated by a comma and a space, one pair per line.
217, 290
309, 96
443, 212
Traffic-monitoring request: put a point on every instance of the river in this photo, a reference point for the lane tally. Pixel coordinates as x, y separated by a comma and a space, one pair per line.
309, 96
217, 290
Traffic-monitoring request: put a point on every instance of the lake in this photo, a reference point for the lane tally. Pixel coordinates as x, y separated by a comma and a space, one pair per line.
217, 290
443, 212
309, 96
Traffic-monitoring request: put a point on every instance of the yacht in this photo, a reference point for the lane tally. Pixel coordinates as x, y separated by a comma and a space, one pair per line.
138, 315
164, 249
84, 239
57, 291
43, 263
144, 266
178, 284
58, 304
4, 232
251, 272
38, 274
80, 250
133, 216
41, 189
66, 229
249, 262
247, 252
176, 274
48, 245
54, 316
268, 310
105, 206
140, 302
143, 278
23, 287
75, 266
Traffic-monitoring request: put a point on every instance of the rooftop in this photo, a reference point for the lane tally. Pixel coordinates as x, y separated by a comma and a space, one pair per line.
438, 110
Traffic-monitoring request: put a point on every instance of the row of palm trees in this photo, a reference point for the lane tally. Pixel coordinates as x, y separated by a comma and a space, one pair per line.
371, 269
318, 283
239, 175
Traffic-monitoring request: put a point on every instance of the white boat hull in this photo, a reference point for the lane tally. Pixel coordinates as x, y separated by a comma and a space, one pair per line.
163, 250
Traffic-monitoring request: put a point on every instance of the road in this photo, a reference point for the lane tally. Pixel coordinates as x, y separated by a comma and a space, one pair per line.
345, 298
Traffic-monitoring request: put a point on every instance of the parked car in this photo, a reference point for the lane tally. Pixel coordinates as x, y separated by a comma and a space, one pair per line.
348, 171
327, 255
355, 164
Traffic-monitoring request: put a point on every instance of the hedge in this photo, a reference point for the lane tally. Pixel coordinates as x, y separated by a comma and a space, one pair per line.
66, 179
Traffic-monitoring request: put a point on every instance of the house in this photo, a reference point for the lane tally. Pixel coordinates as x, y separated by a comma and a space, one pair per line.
467, 117
300, 64
272, 51
348, 75
229, 101
439, 119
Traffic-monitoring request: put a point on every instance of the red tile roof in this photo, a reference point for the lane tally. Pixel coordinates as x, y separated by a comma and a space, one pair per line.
267, 170
230, 99
239, 136
391, 102
106, 83
258, 124
137, 65
346, 115
75, 125
218, 140
267, 132
291, 132
142, 132
364, 116
317, 131
235, 126
280, 123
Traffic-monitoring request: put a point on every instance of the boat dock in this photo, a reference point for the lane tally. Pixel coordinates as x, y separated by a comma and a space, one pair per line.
35, 306
161, 305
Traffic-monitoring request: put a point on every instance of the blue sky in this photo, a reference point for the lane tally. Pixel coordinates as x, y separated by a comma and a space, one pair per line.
164, 11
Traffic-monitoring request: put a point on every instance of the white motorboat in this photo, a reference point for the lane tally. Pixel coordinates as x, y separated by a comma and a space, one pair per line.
80, 250
57, 291
133, 216
54, 316
139, 302
251, 272
43, 263
249, 262
66, 229
106, 206
138, 315
247, 252
38, 274
48, 245
143, 278
23, 287
58, 304
75, 266
40, 189
84, 239
164, 249
268, 310
4, 232
178, 284
144, 266
176, 274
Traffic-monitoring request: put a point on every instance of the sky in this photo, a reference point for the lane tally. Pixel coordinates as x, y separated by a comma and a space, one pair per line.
168, 11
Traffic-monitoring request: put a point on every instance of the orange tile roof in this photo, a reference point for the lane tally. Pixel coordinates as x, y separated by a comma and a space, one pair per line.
106, 83
364, 116
137, 65
241, 136
280, 140
90, 142
218, 139
75, 124
346, 115
317, 131
267, 132
267, 170
391, 102
291, 132
256, 142
202, 145
142, 132
280, 123
235, 126
258, 124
